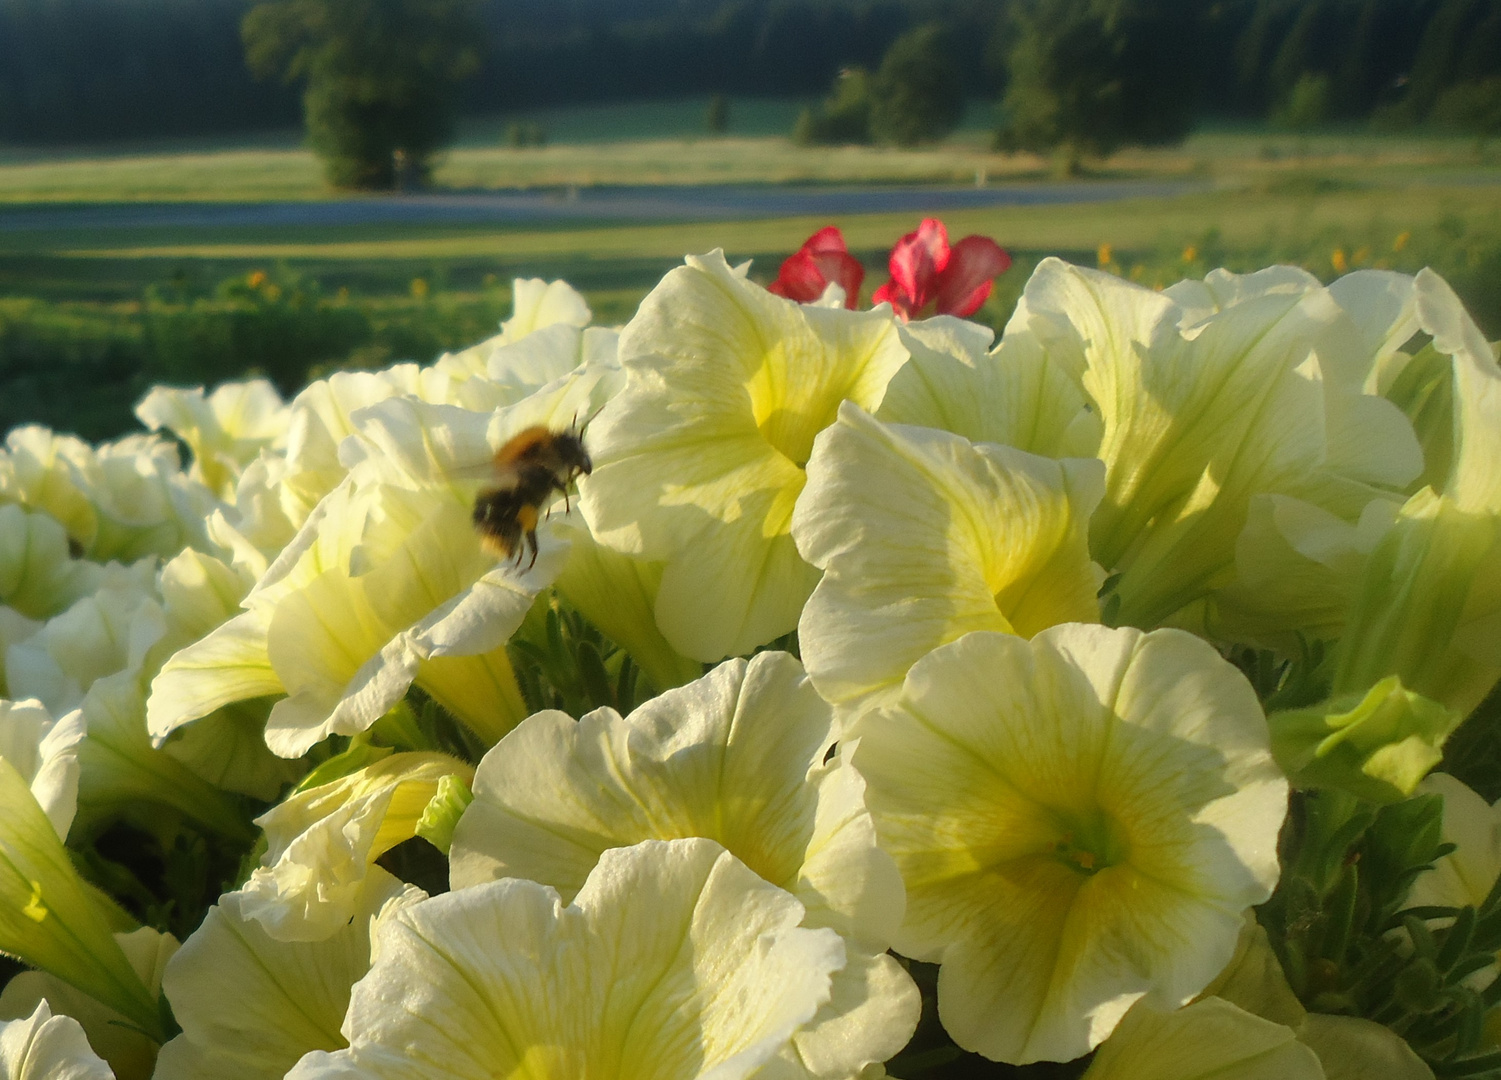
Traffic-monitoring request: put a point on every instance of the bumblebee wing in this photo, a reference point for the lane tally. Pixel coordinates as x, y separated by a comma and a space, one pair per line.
493, 474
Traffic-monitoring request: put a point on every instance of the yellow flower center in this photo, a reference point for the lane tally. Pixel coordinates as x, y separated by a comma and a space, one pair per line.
787, 415
1088, 841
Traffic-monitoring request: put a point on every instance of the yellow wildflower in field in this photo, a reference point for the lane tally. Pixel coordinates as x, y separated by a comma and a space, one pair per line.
673, 962
700, 459
1080, 820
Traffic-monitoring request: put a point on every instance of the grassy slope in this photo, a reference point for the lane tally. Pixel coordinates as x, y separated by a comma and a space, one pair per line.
1326, 202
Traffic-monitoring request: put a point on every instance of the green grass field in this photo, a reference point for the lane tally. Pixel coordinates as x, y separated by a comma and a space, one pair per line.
86, 300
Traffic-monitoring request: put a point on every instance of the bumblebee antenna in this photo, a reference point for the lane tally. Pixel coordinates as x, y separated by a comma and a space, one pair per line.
581, 428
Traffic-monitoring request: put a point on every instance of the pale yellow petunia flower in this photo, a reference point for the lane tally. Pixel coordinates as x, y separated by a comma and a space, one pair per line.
674, 962
923, 537
700, 459
1080, 820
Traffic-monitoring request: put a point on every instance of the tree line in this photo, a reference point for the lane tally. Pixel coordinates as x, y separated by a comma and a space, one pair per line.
88, 70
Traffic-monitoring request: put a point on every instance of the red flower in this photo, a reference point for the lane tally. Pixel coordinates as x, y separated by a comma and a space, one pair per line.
930, 277
822, 259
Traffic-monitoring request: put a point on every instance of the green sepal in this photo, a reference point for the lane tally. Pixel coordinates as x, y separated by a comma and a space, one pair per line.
1378, 746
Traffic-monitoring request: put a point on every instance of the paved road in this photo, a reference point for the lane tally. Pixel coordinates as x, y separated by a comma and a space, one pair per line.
603, 204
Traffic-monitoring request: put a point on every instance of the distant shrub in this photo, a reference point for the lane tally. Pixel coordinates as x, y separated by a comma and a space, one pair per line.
1307, 103
1472, 106
277, 329
524, 133
717, 116
844, 116
77, 367
916, 95
1085, 77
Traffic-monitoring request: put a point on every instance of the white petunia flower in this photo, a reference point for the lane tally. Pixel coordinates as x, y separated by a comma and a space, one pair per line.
51, 919
385, 584
95, 658
322, 842
536, 306
250, 1006
1468, 873
673, 962
44, 752
47, 1047
738, 756
225, 430
39, 577
924, 537
122, 500
1428, 604
1207, 1040
618, 594
129, 1052
1199, 401
700, 459
1080, 820
1014, 396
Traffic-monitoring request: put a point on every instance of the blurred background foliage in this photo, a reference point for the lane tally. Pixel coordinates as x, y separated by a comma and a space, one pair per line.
74, 70
1345, 133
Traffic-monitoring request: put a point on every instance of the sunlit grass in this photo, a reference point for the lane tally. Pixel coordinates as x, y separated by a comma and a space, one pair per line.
282, 171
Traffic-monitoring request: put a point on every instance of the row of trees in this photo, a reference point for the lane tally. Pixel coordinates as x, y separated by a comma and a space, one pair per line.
381, 80
1086, 76
915, 95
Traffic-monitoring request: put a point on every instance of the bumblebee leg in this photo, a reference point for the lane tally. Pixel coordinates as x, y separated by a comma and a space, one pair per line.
531, 542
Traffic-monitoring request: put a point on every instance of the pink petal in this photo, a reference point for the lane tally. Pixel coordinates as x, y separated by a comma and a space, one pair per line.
827, 240
823, 258
917, 260
845, 269
801, 279
965, 283
891, 293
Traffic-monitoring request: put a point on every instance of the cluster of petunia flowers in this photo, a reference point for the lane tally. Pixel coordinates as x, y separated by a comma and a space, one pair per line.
932, 635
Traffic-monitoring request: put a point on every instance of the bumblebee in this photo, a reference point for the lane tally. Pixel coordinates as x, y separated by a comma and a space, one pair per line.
532, 465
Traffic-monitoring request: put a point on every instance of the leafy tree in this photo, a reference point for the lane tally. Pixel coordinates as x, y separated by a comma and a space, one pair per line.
1460, 43
1307, 104
844, 116
916, 96
1089, 76
1472, 106
381, 78
717, 116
